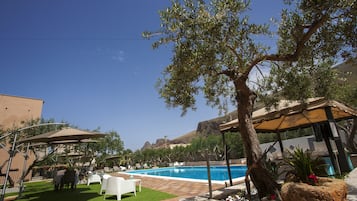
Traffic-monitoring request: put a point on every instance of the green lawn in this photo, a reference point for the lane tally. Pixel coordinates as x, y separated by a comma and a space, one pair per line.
43, 191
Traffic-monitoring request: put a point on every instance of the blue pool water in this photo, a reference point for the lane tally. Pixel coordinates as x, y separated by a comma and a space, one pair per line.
218, 173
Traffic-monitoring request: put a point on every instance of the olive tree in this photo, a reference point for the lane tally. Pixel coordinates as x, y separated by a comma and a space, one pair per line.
216, 49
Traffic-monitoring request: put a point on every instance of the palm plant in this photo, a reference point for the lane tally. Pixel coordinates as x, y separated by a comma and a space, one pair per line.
304, 166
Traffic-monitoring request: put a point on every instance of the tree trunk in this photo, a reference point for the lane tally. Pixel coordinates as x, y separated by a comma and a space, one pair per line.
351, 139
261, 178
349, 130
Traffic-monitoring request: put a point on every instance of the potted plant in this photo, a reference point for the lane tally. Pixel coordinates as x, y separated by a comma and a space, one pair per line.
307, 180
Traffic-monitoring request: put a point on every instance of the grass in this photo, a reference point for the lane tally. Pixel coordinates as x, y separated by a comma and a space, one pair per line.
43, 191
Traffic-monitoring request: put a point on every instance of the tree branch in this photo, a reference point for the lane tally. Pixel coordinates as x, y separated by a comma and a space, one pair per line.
229, 73
299, 47
239, 60
260, 71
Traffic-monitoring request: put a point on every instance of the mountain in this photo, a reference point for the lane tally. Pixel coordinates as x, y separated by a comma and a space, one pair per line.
348, 70
160, 143
211, 127
147, 145
185, 139
204, 128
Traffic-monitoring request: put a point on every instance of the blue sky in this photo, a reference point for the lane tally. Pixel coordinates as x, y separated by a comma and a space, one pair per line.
87, 60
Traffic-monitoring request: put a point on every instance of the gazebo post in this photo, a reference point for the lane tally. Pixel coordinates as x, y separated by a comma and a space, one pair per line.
208, 173
321, 129
342, 157
226, 156
12, 153
280, 143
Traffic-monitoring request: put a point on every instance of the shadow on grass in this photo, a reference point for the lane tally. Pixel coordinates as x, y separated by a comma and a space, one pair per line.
43, 191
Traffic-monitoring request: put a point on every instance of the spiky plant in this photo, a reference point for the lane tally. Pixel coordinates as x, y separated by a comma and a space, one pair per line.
304, 165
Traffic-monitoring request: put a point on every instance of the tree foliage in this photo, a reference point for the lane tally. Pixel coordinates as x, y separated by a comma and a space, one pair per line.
206, 39
111, 144
212, 143
215, 50
215, 43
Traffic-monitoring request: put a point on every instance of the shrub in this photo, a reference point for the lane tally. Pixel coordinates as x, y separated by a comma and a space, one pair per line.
305, 168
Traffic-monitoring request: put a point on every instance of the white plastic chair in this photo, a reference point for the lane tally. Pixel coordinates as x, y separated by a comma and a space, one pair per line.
104, 183
94, 178
118, 186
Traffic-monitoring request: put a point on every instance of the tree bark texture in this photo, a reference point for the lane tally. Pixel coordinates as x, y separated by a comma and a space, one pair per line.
351, 139
261, 177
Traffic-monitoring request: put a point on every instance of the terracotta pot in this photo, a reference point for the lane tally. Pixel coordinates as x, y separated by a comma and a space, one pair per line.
326, 189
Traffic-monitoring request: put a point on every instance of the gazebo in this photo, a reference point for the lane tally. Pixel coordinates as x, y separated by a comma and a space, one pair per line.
61, 136
319, 113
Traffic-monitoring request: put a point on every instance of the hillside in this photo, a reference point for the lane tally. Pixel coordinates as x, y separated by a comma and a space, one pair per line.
348, 70
211, 127
184, 139
204, 128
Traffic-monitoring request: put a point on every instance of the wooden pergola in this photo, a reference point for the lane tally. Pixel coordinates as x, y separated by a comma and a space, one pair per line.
319, 113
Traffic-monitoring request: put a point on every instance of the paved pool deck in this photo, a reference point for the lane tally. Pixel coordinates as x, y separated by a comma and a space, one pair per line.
182, 189
351, 181
198, 191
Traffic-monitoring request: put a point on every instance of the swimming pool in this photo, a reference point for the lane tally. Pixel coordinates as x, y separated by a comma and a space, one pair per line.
218, 173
